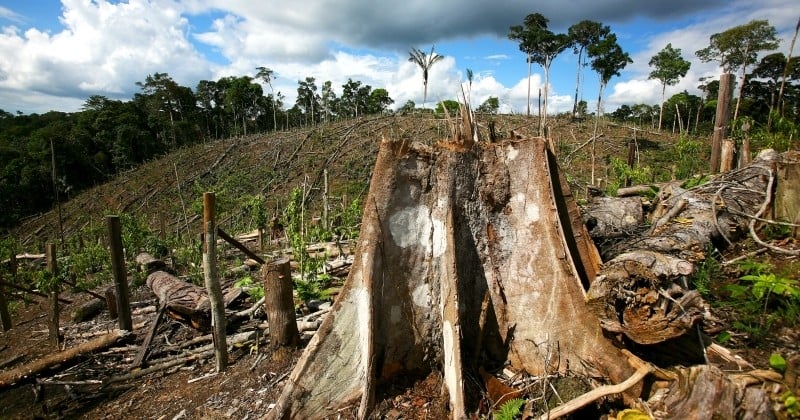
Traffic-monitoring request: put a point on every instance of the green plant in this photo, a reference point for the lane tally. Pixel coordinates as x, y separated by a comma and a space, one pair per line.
621, 171
510, 409
791, 404
254, 289
708, 272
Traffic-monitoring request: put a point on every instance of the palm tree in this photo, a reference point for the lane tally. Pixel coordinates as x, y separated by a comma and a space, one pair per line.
425, 62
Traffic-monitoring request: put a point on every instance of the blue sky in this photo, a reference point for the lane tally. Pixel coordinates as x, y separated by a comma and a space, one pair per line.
55, 54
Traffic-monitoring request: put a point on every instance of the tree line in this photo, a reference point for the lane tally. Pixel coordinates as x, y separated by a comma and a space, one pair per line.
108, 136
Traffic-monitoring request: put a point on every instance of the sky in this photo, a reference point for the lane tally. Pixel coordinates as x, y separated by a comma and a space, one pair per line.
56, 54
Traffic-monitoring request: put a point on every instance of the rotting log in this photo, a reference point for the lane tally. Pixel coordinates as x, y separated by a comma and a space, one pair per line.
185, 300
20, 373
641, 290
614, 217
446, 229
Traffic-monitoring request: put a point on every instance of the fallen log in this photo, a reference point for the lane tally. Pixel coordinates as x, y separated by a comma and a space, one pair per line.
641, 290
614, 217
21, 373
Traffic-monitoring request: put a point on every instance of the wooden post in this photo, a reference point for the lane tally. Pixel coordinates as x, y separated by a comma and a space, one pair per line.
631, 160
279, 304
120, 274
52, 268
787, 192
325, 223
5, 317
212, 282
721, 119
727, 156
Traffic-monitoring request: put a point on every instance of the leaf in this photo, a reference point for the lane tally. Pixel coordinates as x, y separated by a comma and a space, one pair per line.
510, 409
632, 414
777, 362
723, 337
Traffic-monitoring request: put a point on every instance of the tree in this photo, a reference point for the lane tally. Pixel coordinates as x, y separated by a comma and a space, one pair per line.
450, 105
379, 101
541, 46
670, 66
581, 36
607, 60
268, 75
490, 105
738, 47
425, 62
307, 97
328, 100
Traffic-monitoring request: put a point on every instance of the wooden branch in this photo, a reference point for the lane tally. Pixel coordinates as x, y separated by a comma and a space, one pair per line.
598, 393
139, 360
23, 372
239, 246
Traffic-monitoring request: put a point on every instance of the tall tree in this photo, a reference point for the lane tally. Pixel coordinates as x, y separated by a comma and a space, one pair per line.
738, 47
607, 60
307, 98
541, 46
582, 35
268, 75
669, 67
425, 62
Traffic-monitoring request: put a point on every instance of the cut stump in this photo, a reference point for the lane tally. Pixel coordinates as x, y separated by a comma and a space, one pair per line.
470, 255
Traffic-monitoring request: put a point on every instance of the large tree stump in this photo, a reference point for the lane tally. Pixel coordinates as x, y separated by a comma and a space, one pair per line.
469, 256
279, 303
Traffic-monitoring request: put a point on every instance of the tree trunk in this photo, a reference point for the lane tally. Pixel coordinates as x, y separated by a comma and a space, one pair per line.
640, 291
469, 256
279, 303
721, 119
787, 191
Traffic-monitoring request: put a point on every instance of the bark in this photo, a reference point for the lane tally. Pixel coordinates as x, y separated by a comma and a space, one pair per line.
185, 300
787, 191
610, 217
641, 290
469, 256
26, 371
279, 304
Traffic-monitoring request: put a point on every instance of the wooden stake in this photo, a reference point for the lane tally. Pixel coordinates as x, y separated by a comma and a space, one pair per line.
52, 268
5, 317
120, 275
212, 282
279, 304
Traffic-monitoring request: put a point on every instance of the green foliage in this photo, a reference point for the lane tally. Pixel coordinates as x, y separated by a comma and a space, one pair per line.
510, 410
254, 289
708, 272
791, 404
450, 105
686, 161
349, 221
777, 362
763, 297
621, 172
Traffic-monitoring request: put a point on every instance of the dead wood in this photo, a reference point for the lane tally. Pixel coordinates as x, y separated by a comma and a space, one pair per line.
640, 291
149, 263
614, 217
185, 300
20, 373
88, 310
443, 228
279, 303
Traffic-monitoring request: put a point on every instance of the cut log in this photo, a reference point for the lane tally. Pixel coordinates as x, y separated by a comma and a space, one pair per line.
26, 371
614, 217
641, 290
149, 263
185, 300
88, 310
445, 230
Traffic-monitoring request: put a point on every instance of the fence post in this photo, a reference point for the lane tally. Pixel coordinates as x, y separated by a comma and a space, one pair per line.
52, 268
212, 281
120, 274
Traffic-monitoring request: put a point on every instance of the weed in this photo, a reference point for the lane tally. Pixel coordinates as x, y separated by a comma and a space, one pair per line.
621, 170
708, 272
510, 409
254, 289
